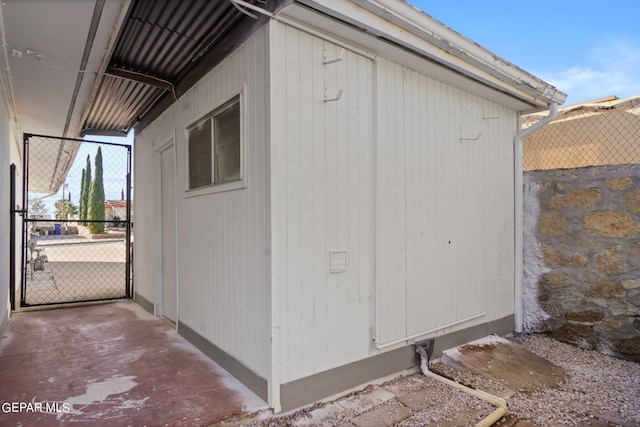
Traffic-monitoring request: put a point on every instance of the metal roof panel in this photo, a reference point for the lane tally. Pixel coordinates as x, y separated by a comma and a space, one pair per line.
160, 40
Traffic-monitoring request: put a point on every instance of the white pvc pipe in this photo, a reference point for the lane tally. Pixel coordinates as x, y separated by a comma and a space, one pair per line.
519, 212
500, 404
423, 333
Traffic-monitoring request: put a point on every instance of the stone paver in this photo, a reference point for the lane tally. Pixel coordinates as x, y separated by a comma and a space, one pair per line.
354, 405
383, 415
511, 421
420, 399
463, 417
364, 401
320, 416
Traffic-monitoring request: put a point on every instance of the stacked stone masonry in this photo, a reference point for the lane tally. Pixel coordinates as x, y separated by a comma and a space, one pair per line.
582, 257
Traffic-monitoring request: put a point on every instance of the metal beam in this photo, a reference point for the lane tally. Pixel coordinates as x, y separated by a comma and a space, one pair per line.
140, 78
95, 22
103, 132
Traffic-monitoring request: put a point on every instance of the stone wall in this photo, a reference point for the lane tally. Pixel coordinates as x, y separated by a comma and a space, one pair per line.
582, 257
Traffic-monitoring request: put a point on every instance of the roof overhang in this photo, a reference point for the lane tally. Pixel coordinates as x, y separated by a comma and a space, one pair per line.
51, 53
450, 55
164, 48
108, 66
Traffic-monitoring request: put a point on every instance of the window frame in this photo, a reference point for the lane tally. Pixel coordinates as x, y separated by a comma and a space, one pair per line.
222, 186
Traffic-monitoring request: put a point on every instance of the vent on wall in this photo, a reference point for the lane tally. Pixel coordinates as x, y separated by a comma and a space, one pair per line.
337, 261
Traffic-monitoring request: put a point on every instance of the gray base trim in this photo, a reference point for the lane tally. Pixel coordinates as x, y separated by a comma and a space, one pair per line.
144, 303
324, 384
246, 376
4, 322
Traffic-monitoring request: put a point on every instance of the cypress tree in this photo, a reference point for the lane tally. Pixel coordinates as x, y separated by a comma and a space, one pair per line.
80, 203
96, 198
84, 193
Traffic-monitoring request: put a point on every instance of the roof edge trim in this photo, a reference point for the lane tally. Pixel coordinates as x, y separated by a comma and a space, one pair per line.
115, 35
452, 47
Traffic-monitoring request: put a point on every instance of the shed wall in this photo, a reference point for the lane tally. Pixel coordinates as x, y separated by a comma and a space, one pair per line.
322, 201
222, 242
145, 234
384, 175
445, 205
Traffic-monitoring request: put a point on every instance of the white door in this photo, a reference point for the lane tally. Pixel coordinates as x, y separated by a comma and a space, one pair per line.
168, 233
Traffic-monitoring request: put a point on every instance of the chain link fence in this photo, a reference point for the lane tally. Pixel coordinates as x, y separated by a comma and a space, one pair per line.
606, 133
77, 225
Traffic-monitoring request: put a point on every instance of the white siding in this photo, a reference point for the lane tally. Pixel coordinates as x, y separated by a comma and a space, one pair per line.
223, 246
145, 235
322, 200
445, 205
383, 174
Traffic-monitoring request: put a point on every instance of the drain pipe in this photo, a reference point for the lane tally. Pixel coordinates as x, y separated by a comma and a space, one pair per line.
519, 212
500, 404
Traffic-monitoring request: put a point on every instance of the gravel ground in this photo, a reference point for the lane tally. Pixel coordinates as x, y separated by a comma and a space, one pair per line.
599, 391
597, 386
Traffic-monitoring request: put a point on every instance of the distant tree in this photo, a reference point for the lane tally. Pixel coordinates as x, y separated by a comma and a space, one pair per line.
84, 192
122, 195
65, 208
37, 208
80, 201
96, 198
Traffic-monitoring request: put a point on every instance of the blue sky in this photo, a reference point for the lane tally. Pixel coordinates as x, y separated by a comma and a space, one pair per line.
588, 49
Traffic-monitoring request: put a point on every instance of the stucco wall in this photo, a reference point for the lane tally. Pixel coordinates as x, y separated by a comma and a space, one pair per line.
582, 256
5, 161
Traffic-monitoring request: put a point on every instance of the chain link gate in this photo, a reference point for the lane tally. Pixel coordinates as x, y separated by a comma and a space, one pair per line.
76, 235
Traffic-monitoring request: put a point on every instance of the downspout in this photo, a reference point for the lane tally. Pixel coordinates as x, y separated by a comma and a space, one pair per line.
519, 211
500, 404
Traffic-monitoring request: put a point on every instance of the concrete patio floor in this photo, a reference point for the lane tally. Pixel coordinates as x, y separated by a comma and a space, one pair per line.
111, 364
114, 364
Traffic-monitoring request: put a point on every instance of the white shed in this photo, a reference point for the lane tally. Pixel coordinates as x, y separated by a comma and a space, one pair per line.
338, 188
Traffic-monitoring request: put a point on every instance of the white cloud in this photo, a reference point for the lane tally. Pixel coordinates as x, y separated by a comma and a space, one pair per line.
610, 68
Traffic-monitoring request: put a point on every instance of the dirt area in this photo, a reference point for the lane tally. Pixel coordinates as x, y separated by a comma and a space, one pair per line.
597, 391
498, 358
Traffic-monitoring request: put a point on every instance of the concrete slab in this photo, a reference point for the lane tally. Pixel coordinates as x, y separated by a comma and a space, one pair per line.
111, 364
496, 357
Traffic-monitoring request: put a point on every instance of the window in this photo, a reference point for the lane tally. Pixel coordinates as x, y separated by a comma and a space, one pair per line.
214, 147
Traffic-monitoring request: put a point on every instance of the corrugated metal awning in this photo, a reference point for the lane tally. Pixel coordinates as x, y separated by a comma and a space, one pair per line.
159, 43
